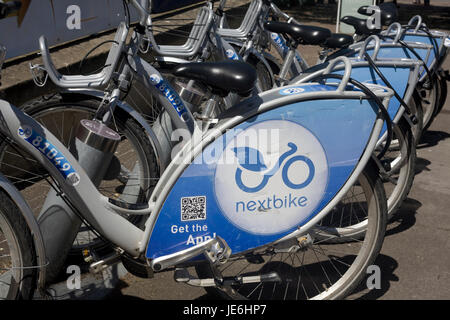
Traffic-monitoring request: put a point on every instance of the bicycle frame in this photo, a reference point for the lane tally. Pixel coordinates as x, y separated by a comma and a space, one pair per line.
294, 62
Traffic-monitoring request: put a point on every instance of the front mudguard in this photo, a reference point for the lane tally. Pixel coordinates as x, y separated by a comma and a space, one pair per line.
33, 226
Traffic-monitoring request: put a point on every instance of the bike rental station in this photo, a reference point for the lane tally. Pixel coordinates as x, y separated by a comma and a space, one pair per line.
206, 151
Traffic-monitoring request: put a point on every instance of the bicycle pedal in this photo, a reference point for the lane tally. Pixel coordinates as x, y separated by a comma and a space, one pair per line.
104, 263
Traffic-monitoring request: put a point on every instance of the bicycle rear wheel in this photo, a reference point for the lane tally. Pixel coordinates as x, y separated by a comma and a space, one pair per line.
318, 270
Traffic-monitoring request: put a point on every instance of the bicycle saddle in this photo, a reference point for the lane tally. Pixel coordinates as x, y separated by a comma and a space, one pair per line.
388, 12
222, 77
310, 35
360, 25
338, 40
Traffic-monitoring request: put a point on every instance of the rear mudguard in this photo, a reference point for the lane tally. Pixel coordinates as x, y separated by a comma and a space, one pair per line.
210, 189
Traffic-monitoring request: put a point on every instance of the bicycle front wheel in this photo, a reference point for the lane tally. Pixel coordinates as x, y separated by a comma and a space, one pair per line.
17, 255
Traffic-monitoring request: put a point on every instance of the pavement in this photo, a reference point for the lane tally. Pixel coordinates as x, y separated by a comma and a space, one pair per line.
415, 259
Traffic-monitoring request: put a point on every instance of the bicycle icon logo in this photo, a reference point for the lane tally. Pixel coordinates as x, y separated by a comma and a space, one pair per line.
291, 91
243, 155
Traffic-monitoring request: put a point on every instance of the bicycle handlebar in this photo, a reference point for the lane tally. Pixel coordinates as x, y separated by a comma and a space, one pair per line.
142, 8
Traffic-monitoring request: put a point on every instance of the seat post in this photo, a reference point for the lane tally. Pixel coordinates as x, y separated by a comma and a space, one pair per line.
288, 62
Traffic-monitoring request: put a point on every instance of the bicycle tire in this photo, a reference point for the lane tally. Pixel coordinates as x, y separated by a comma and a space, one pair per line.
15, 232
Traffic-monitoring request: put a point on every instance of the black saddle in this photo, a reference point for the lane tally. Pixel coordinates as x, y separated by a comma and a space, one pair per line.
388, 12
360, 25
301, 34
222, 77
338, 40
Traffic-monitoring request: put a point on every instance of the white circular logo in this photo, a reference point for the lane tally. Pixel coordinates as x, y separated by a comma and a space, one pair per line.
270, 177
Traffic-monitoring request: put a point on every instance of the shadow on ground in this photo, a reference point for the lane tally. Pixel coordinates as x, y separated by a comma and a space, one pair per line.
432, 138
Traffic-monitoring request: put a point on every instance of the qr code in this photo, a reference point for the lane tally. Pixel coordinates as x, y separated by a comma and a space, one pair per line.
193, 208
